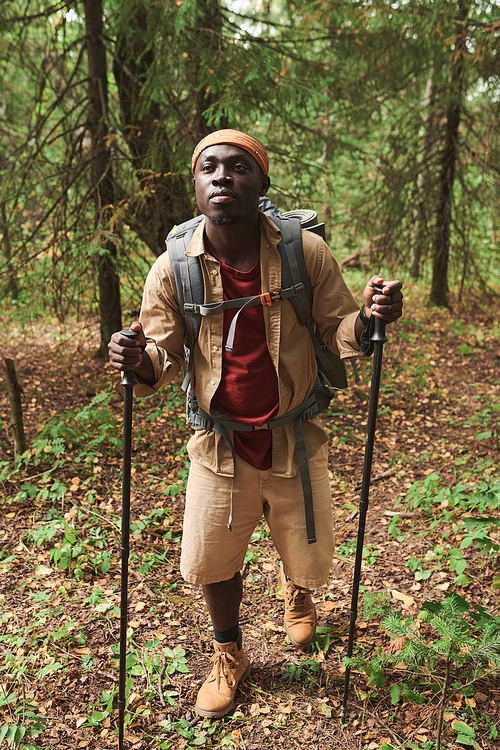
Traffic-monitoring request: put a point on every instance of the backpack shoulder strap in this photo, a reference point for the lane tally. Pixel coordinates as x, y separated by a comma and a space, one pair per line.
293, 267
190, 288
293, 271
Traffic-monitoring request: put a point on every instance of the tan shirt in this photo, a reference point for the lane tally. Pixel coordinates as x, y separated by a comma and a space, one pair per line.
333, 307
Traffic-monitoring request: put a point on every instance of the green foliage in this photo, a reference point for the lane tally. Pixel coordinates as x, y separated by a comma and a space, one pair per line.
89, 428
71, 549
307, 671
465, 734
464, 507
447, 637
26, 723
367, 155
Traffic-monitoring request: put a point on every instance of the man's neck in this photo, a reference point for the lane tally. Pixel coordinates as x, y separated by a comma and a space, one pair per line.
237, 245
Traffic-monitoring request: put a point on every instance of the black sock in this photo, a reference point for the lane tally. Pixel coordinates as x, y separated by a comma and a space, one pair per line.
233, 635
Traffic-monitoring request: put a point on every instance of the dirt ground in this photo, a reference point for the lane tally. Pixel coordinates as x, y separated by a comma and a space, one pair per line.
441, 381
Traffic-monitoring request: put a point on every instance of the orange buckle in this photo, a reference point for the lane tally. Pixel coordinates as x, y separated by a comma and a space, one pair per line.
268, 298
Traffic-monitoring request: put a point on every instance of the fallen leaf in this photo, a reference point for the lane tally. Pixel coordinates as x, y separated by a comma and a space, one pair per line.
325, 710
43, 570
443, 586
458, 698
395, 646
269, 625
408, 601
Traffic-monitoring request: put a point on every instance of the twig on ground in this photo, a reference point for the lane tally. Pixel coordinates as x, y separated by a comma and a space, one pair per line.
160, 679
146, 588
89, 513
443, 705
108, 675
378, 477
385, 726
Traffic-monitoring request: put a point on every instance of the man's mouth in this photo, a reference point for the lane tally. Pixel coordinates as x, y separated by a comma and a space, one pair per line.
221, 196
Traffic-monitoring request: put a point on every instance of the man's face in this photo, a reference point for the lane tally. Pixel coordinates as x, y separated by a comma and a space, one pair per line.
228, 184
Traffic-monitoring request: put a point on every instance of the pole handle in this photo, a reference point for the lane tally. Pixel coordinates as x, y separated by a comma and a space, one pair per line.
379, 326
128, 378
378, 336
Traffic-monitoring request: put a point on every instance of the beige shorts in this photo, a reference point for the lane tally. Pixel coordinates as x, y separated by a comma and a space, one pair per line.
211, 553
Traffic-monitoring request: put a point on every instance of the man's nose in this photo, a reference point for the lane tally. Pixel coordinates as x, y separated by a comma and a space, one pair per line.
221, 175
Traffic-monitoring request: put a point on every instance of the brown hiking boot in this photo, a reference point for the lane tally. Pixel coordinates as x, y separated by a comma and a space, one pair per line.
230, 667
300, 615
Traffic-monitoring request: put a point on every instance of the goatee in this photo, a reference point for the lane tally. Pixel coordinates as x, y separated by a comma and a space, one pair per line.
222, 219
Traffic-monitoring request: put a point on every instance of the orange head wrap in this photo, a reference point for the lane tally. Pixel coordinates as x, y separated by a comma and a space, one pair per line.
235, 138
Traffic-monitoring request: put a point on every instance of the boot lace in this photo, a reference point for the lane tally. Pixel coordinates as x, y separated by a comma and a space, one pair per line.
224, 667
296, 597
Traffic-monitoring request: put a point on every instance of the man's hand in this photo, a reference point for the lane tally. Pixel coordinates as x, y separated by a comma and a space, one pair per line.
387, 305
125, 353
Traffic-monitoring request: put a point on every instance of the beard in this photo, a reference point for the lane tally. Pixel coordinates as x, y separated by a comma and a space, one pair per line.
222, 219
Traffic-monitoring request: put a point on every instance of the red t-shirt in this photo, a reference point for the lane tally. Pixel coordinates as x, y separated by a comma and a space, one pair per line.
248, 391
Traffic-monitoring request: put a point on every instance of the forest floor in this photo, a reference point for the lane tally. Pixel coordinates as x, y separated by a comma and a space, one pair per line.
437, 452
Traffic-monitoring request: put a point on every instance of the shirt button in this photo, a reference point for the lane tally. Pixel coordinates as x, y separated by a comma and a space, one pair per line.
214, 272
212, 382
214, 348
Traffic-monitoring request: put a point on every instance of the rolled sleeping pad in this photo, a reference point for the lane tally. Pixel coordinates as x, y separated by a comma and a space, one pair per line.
308, 220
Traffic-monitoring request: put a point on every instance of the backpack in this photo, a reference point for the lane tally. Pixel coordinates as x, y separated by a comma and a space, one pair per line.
295, 283
297, 288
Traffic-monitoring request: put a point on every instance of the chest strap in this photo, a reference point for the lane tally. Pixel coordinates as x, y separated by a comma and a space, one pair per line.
216, 308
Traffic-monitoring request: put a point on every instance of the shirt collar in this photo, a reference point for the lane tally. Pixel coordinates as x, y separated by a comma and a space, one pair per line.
268, 228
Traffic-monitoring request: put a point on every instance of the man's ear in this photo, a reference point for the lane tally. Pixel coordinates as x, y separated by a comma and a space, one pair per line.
266, 183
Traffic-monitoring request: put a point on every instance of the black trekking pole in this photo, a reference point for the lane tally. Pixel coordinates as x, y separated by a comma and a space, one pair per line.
128, 381
377, 341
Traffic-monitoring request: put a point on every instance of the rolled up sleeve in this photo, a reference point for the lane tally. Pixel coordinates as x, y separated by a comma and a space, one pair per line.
334, 308
162, 322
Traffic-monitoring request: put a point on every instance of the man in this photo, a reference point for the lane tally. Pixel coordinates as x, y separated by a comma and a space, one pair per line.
270, 371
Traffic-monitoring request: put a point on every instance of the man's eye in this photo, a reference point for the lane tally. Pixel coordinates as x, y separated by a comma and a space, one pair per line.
240, 167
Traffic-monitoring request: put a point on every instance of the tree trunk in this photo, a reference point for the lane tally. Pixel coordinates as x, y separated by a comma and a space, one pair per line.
102, 174
419, 223
13, 286
164, 197
15, 407
449, 158
208, 39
